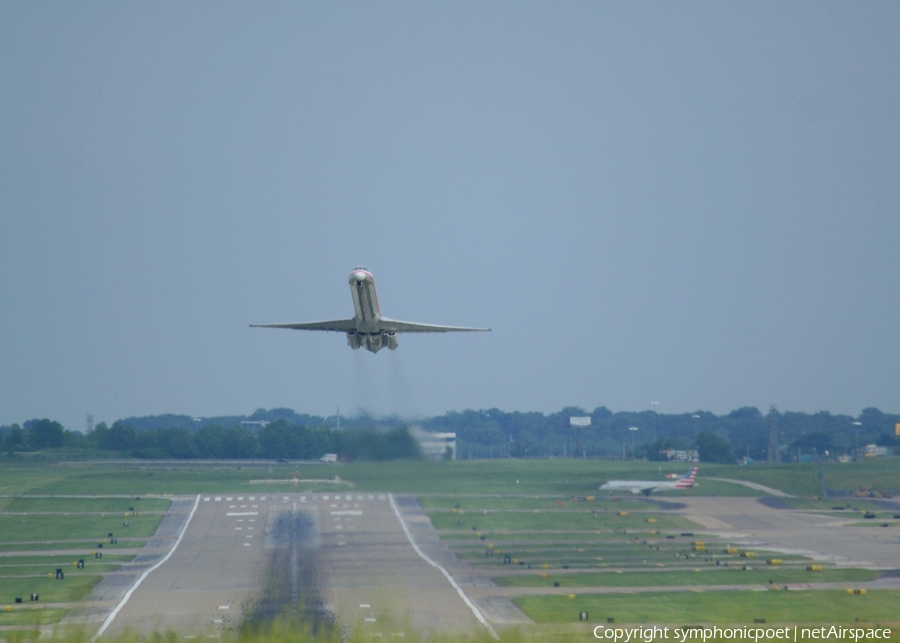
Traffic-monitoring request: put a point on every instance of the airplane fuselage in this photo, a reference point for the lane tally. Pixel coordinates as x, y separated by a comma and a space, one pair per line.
369, 332
368, 328
365, 301
647, 487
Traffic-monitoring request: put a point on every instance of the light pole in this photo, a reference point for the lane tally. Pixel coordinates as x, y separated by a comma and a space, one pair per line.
633, 430
696, 417
856, 453
655, 406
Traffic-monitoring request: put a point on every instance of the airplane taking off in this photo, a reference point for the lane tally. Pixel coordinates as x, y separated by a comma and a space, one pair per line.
367, 327
647, 486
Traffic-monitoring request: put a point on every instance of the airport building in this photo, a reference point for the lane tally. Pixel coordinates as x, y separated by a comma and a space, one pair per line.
875, 451
678, 455
436, 446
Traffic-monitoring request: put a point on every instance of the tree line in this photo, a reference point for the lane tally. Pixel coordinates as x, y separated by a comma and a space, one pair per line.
283, 433
275, 440
741, 433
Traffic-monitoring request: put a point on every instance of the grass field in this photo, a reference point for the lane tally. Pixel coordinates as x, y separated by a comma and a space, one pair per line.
593, 536
555, 521
76, 584
83, 505
496, 502
588, 550
709, 576
723, 607
558, 477
839, 506
36, 566
28, 617
77, 525
587, 557
69, 545
41, 527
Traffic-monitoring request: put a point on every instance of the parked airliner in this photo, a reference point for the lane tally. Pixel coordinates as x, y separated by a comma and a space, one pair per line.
367, 327
647, 486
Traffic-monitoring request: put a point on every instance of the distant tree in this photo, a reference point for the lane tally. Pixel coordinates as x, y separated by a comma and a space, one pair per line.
745, 413
177, 443
210, 442
240, 442
818, 440
401, 445
44, 434
367, 444
656, 450
98, 436
15, 440
75, 439
522, 448
713, 448
886, 440
120, 437
279, 440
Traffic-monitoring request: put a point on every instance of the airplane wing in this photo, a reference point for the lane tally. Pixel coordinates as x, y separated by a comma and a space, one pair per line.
336, 325
398, 326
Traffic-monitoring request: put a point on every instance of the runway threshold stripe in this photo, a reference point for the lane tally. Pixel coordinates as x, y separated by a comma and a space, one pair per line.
137, 583
446, 574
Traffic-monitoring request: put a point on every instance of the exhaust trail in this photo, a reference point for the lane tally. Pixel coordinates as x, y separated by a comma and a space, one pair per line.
365, 394
401, 395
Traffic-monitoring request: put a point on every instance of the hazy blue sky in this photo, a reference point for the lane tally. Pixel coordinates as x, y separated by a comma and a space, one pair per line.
693, 203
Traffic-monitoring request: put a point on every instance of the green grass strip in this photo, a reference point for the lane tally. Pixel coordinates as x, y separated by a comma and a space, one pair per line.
73, 587
714, 576
22, 617
556, 520
37, 527
722, 607
94, 505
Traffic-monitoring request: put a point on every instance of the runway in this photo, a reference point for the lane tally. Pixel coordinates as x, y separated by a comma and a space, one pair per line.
210, 578
347, 554
359, 565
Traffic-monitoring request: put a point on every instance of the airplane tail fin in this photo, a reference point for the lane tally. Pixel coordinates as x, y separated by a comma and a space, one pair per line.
688, 480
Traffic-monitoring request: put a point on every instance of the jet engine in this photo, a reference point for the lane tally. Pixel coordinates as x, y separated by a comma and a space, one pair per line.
372, 341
